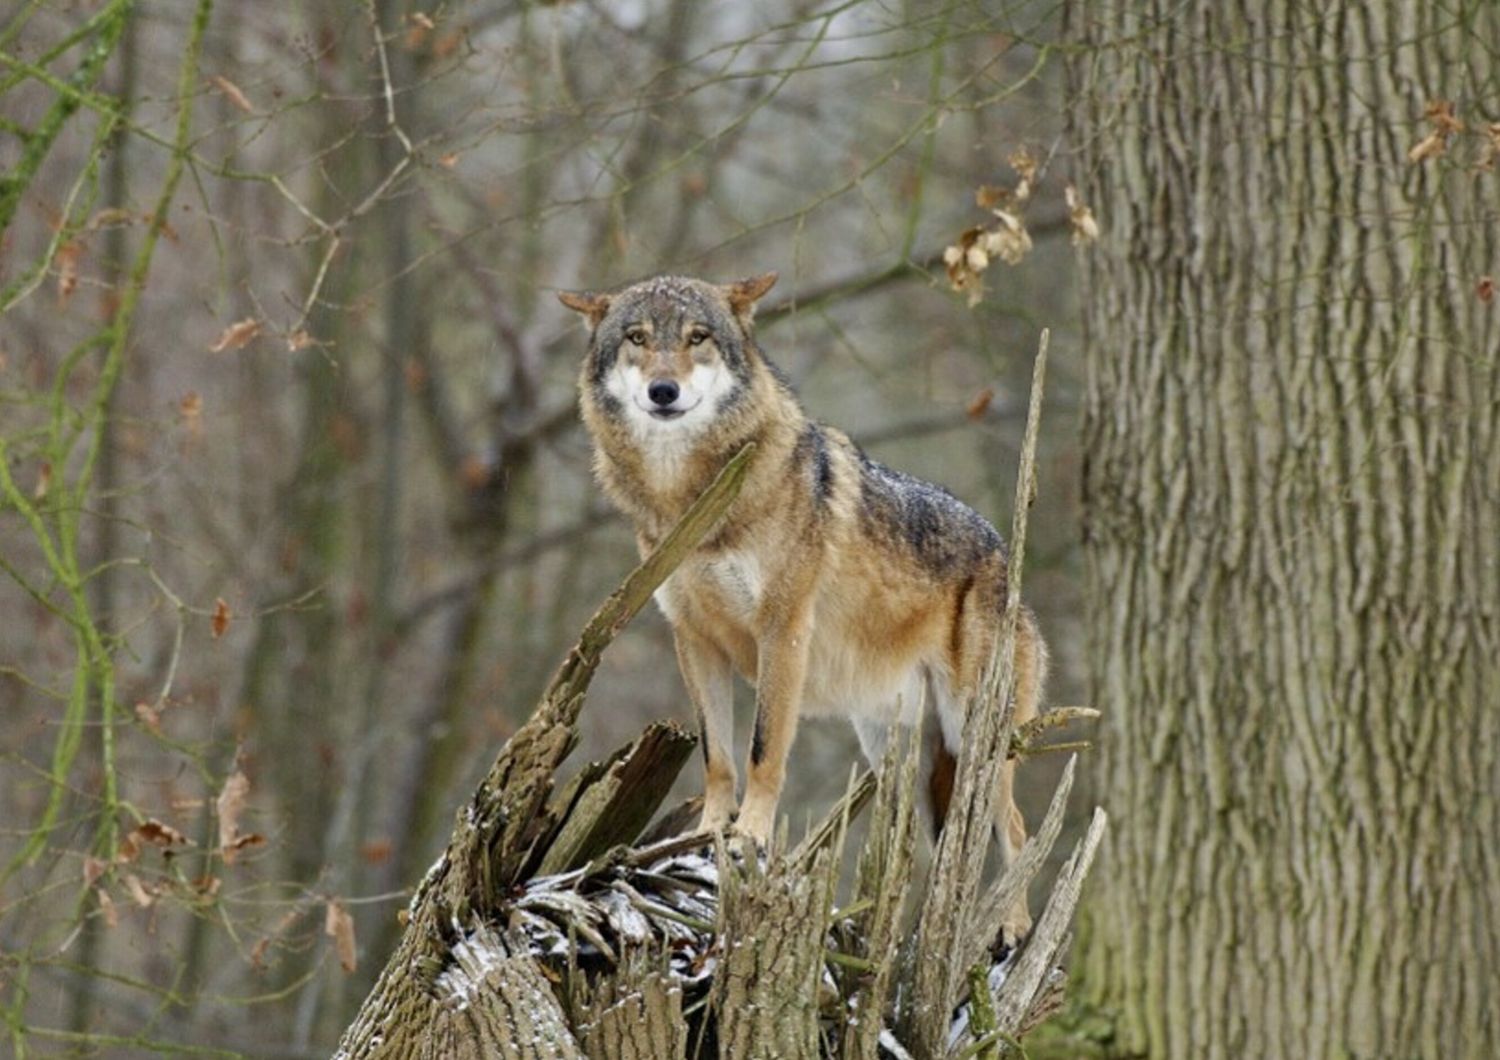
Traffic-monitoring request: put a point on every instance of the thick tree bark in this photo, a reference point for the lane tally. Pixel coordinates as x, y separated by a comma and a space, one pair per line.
1292, 513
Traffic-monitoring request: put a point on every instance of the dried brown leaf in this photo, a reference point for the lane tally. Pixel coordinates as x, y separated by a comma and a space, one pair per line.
190, 408
981, 403
150, 717
1430, 146
244, 842
339, 926
989, 196
229, 805
1080, 217
1443, 118
1485, 289
66, 261
377, 851
107, 908
93, 868
232, 93
1491, 145
137, 890
111, 218
159, 834
219, 622
1024, 163
236, 335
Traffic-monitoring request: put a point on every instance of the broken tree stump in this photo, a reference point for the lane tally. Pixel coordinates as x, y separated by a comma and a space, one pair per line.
550, 929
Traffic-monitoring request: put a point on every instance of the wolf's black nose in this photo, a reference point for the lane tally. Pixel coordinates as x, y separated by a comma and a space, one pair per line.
662, 392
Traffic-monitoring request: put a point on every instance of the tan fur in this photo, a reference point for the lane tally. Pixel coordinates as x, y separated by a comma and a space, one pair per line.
803, 590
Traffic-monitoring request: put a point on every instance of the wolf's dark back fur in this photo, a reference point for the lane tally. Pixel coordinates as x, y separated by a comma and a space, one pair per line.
943, 533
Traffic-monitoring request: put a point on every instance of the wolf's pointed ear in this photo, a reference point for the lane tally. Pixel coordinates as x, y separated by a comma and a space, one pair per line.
591, 305
743, 294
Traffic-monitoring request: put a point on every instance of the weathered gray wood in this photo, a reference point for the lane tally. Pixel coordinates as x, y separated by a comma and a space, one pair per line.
884, 879
619, 803
1023, 986
636, 1015
765, 992
958, 865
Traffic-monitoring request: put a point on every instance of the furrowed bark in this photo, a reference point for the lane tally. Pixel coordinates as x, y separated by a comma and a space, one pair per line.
1291, 507
765, 992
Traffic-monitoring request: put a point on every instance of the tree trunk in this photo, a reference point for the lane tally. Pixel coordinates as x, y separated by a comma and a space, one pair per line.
1292, 504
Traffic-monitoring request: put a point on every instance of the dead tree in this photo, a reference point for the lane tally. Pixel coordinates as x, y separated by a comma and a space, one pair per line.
557, 925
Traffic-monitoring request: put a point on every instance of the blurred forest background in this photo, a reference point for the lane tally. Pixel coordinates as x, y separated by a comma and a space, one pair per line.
296, 517
299, 516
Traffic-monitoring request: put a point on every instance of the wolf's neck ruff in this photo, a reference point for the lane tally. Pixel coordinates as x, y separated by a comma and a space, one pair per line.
834, 585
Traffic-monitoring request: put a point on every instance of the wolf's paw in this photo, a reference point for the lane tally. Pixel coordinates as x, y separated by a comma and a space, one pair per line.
1014, 928
715, 819
754, 824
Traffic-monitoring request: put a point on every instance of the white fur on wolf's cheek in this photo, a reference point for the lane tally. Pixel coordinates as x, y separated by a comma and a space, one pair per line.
669, 440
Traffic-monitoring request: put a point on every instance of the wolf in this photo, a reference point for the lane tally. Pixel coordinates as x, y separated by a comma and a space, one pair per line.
834, 585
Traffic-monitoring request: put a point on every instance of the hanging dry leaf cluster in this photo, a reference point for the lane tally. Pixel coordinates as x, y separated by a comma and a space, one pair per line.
1446, 127
1007, 239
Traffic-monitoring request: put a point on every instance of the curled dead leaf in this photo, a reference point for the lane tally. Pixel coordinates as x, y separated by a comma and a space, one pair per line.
66, 260
112, 217
191, 409
229, 805
107, 908
339, 926
231, 92
1443, 118
989, 196
150, 716
236, 335
93, 868
1491, 145
137, 891
1009, 241
1024, 163
159, 834
1080, 217
1430, 146
377, 851
1445, 123
219, 622
962, 274
245, 842
980, 404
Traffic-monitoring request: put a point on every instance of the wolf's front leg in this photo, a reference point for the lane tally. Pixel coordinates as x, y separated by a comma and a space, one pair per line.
782, 671
710, 683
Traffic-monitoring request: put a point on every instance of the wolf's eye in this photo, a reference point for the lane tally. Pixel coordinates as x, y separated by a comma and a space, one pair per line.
698, 337
636, 336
